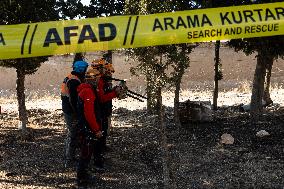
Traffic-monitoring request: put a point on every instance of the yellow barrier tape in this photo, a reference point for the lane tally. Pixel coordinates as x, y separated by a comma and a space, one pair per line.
85, 35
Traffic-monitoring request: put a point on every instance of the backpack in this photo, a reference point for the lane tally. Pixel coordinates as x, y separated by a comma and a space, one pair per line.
84, 128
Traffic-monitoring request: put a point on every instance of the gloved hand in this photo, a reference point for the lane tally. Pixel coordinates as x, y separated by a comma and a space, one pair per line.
121, 92
99, 134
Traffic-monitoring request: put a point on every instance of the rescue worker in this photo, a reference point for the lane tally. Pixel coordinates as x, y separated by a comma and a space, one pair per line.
90, 122
104, 87
69, 98
107, 106
78, 57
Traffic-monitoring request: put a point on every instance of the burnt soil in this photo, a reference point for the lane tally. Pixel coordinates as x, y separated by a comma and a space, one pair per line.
191, 156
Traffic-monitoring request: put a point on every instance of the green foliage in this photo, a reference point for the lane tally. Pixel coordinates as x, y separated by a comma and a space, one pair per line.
163, 65
27, 11
28, 65
178, 59
105, 8
175, 55
221, 3
149, 63
152, 6
273, 45
72, 8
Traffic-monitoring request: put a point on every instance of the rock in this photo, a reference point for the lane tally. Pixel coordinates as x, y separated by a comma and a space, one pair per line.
247, 107
262, 133
207, 184
195, 111
11, 174
227, 139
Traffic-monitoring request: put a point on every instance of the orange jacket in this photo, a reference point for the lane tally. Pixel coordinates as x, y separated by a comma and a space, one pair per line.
64, 89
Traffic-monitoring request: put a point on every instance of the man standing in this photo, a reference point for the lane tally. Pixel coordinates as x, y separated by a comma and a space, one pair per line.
103, 88
90, 123
69, 97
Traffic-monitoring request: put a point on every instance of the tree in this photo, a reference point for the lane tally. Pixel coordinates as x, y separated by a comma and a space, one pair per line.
268, 49
26, 11
105, 8
179, 55
155, 61
98, 8
151, 64
71, 9
218, 75
151, 57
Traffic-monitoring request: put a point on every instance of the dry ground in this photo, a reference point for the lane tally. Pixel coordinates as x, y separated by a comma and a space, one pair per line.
37, 162
238, 71
200, 161
192, 156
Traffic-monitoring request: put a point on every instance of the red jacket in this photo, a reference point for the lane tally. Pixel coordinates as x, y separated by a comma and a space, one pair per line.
104, 97
87, 95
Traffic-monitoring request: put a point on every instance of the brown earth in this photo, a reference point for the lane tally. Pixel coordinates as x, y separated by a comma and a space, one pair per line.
192, 156
238, 69
142, 155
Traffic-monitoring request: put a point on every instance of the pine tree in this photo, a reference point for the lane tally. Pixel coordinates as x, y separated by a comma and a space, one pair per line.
26, 11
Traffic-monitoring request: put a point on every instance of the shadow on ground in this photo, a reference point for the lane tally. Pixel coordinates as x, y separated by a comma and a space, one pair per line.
201, 161
196, 159
38, 162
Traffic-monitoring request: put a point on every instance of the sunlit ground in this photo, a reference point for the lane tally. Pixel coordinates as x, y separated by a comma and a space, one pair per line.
233, 97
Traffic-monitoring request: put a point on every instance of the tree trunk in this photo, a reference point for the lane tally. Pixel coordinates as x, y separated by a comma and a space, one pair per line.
150, 94
266, 95
158, 87
258, 86
216, 78
154, 89
159, 100
23, 118
109, 52
176, 98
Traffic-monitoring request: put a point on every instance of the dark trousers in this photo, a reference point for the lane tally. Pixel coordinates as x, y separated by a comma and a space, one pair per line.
86, 152
100, 144
71, 137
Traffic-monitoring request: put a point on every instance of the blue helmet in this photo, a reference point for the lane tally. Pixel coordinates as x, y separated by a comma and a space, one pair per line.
80, 66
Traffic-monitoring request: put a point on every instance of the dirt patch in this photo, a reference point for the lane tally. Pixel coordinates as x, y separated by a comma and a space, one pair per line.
137, 157
196, 157
37, 161
238, 70
201, 161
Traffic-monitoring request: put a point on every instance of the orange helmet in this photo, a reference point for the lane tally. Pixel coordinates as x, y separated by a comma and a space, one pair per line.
109, 68
100, 61
102, 66
92, 74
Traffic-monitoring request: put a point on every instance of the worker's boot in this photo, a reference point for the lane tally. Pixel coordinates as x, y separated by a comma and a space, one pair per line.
99, 164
